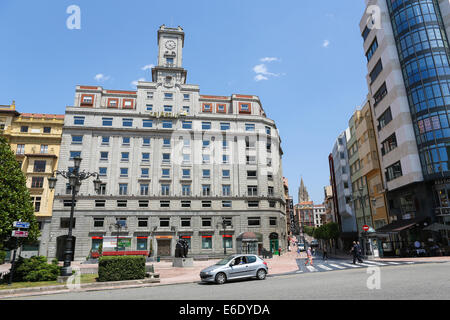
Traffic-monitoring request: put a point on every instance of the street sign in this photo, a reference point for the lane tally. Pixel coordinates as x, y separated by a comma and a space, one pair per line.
366, 228
20, 234
20, 224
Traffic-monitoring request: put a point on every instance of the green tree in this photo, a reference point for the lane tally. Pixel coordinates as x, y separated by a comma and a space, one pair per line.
15, 200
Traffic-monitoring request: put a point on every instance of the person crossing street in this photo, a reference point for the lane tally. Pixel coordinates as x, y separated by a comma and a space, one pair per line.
354, 252
309, 257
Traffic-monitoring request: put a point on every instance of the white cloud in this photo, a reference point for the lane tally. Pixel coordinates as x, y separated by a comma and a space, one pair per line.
101, 77
269, 59
260, 77
135, 82
148, 67
326, 43
262, 69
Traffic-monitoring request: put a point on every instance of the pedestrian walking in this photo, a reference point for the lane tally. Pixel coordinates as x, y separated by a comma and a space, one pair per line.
298, 251
309, 257
354, 252
279, 251
359, 252
325, 254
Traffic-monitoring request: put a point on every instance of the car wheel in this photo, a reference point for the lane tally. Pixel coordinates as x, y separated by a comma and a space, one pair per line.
221, 278
261, 274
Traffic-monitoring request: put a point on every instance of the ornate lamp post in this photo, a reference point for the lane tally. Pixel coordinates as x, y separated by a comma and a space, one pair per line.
75, 178
362, 200
224, 224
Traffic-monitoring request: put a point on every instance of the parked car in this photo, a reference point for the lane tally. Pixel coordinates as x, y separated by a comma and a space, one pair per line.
314, 243
301, 246
236, 266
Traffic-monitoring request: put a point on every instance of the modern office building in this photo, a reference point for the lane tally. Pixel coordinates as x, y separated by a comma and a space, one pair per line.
319, 215
342, 189
35, 139
174, 164
407, 49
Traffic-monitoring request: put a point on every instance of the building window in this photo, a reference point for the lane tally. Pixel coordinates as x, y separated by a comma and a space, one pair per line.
78, 120
252, 191
206, 222
165, 173
254, 221
380, 94
47, 129
143, 203
185, 222
389, 144
144, 172
104, 155
249, 127
206, 173
113, 102
186, 204
149, 107
37, 182
221, 108
186, 96
394, 171
144, 189
166, 142
226, 190
186, 189
206, 144
122, 203
251, 174
244, 108
123, 189
167, 124
127, 122
142, 222
251, 159
226, 174
206, 204
206, 242
164, 222
224, 126
87, 100
149, 95
253, 204
146, 142
186, 109
384, 119
186, 173
147, 123
107, 122
207, 107
125, 156
102, 189
36, 203
24, 129
99, 222
39, 166
100, 203
187, 124
365, 33
186, 158
376, 71
206, 190
20, 149
268, 131
270, 191
128, 103
372, 49
165, 189
126, 141
168, 108
205, 158
272, 221
166, 158
226, 204
105, 141
77, 139
206, 125
225, 159
168, 96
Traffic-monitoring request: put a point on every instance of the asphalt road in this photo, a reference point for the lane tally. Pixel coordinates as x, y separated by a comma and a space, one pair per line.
429, 281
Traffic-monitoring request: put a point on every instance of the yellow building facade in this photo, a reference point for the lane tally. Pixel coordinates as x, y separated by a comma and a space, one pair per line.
35, 139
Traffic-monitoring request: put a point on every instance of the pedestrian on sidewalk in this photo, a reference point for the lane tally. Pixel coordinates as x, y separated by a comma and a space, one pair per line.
298, 251
279, 251
325, 254
359, 252
309, 257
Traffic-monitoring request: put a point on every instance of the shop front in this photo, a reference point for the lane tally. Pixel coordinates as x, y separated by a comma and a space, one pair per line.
247, 242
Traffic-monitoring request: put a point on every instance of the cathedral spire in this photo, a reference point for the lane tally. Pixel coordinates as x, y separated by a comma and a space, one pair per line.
303, 195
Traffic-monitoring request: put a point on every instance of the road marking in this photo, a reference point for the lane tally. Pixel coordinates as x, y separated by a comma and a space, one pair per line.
311, 268
391, 262
376, 263
350, 265
299, 271
336, 266
324, 267
365, 264
410, 262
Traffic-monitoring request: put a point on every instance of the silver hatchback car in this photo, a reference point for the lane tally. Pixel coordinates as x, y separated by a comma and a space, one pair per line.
236, 266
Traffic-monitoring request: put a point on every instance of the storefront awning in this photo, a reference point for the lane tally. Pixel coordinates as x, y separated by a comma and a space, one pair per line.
400, 225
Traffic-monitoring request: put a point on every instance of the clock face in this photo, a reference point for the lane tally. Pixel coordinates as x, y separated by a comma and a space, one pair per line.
170, 44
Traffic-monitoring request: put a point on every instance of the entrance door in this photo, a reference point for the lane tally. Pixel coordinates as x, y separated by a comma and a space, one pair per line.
163, 248
274, 246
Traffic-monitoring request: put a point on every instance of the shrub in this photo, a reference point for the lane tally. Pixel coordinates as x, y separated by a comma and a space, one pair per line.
119, 268
2, 256
34, 269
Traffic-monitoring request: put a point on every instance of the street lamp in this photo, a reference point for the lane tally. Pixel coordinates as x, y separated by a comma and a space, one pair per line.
362, 200
75, 178
224, 224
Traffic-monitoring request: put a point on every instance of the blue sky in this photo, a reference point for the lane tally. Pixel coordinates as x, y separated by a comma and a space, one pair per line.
311, 89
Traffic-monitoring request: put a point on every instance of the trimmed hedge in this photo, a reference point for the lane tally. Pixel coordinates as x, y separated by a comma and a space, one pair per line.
120, 268
2, 256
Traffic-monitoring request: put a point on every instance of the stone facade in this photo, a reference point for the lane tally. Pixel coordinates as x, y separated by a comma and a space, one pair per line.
173, 164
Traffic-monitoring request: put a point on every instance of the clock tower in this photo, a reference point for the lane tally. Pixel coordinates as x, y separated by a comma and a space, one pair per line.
169, 70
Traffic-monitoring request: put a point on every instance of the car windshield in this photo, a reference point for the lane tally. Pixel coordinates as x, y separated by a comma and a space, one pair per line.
224, 261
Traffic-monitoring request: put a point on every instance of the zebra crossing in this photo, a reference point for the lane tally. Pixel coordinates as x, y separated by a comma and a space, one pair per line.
333, 265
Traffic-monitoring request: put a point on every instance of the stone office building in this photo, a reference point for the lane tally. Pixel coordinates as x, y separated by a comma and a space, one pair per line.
173, 164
